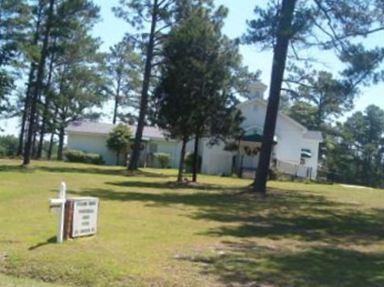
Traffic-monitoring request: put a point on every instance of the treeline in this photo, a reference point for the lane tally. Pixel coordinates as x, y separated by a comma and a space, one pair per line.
177, 70
9, 147
176, 54
59, 61
53, 73
353, 150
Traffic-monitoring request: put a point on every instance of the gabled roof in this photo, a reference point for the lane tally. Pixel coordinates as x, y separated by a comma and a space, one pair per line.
104, 129
313, 135
89, 128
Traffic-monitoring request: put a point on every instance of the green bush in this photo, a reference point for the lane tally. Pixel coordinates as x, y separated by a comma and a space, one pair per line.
163, 159
83, 157
189, 162
118, 140
8, 146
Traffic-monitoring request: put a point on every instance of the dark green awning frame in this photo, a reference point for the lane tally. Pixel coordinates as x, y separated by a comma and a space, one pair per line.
255, 137
306, 153
252, 138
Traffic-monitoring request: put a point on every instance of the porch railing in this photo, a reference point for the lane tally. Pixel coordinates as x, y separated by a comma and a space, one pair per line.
285, 168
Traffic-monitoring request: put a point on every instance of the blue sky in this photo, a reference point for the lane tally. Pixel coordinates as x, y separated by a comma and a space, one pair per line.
111, 29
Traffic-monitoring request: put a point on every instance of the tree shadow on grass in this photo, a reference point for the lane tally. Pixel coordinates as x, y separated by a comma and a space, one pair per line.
248, 264
157, 199
280, 216
327, 233
169, 185
102, 170
14, 168
300, 217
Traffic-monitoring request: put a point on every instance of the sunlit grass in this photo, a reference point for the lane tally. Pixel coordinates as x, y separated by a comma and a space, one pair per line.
154, 232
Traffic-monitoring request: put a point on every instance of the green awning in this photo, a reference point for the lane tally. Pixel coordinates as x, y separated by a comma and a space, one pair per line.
306, 153
255, 137
252, 138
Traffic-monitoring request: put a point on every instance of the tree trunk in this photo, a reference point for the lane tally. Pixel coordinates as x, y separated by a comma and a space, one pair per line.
117, 158
181, 163
61, 143
319, 114
45, 111
31, 76
195, 159
26, 111
278, 67
42, 130
117, 100
38, 86
115, 111
23, 123
133, 163
34, 149
49, 154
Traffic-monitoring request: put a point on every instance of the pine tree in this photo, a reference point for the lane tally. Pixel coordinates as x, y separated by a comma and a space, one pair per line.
38, 85
161, 15
31, 52
137, 12
124, 67
328, 97
14, 19
51, 29
194, 97
306, 24
357, 152
79, 82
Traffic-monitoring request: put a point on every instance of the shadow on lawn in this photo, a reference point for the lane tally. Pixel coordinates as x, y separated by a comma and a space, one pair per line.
102, 170
281, 215
248, 264
50, 240
13, 168
173, 185
325, 231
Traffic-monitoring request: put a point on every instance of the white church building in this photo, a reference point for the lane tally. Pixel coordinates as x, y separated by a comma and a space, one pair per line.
295, 151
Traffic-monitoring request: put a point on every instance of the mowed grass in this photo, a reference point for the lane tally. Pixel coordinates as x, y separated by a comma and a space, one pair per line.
155, 233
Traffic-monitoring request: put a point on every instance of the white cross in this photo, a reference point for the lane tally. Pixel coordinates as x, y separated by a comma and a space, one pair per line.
58, 205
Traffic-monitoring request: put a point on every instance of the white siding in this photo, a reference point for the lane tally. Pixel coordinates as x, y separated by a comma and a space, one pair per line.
289, 135
92, 144
170, 147
215, 160
312, 162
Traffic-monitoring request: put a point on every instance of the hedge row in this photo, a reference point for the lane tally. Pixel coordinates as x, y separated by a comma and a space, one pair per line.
72, 155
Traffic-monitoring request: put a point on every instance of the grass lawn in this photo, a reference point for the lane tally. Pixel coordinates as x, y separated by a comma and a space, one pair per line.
153, 233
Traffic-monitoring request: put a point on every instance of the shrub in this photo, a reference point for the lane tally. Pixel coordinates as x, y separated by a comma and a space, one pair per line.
8, 146
94, 158
189, 162
118, 140
83, 157
163, 159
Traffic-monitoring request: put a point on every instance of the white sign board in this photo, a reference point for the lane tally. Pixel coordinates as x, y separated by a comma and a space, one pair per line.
84, 216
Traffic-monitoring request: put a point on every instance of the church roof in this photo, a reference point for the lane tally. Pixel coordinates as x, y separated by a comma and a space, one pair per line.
312, 135
105, 128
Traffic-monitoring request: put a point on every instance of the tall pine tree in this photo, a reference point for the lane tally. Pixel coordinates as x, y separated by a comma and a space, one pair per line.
124, 66
194, 96
302, 25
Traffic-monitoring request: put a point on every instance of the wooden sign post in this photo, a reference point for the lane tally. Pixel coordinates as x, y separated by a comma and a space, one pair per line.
81, 216
77, 215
